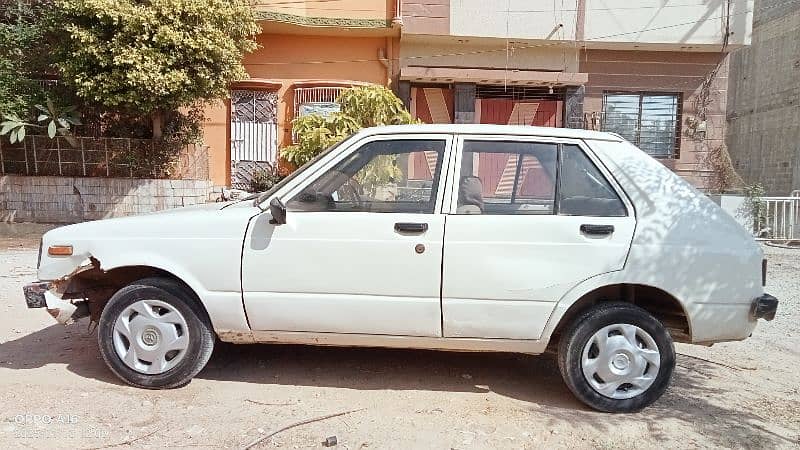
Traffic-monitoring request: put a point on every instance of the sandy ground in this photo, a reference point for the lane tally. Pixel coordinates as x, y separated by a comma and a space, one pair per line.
55, 390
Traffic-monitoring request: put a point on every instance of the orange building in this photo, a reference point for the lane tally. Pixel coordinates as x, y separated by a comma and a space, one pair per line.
308, 51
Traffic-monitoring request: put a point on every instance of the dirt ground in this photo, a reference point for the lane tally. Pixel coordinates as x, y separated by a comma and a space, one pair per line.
55, 390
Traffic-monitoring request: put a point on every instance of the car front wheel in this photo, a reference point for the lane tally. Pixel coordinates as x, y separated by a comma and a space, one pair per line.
616, 357
153, 334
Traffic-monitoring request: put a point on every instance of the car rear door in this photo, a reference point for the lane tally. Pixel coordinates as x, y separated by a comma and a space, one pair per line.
528, 219
361, 249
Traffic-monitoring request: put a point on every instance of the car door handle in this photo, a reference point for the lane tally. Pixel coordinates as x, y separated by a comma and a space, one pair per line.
597, 230
410, 227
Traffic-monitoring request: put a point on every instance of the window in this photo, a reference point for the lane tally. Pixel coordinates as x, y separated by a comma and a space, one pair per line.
507, 178
648, 120
393, 176
316, 100
583, 190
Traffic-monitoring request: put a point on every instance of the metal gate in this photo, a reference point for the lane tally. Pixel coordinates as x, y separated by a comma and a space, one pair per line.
254, 133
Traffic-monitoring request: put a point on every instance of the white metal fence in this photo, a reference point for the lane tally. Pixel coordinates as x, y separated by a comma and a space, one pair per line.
779, 218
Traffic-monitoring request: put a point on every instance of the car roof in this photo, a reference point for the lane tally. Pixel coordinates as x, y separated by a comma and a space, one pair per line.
511, 130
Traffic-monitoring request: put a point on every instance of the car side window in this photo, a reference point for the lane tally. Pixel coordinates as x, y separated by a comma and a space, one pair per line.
388, 176
507, 177
583, 190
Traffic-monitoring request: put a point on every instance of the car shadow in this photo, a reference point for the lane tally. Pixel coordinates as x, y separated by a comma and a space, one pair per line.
72, 346
691, 401
522, 377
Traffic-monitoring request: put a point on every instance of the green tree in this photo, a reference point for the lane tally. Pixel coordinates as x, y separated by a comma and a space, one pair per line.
22, 49
361, 107
151, 57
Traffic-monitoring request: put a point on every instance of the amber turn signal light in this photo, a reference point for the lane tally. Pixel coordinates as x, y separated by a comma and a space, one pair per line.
60, 250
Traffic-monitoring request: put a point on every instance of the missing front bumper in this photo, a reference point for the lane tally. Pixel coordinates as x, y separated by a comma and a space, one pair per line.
764, 307
34, 294
40, 295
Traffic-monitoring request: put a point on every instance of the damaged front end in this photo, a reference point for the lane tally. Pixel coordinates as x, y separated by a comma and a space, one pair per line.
59, 297
83, 292
44, 294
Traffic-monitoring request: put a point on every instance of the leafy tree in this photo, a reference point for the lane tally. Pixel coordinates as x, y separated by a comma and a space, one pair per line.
22, 54
154, 56
361, 107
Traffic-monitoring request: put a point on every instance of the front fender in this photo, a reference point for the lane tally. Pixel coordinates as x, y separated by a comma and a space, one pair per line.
224, 306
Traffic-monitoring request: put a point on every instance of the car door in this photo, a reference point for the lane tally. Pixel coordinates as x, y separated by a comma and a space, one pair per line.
361, 249
528, 219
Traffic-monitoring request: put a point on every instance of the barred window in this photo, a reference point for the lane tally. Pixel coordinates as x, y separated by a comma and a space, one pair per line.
648, 120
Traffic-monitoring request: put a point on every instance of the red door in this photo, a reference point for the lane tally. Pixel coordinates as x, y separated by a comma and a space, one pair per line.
497, 171
502, 111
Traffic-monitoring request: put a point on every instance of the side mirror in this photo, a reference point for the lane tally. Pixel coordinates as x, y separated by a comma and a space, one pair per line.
278, 211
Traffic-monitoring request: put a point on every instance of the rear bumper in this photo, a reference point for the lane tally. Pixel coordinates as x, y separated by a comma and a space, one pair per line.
764, 307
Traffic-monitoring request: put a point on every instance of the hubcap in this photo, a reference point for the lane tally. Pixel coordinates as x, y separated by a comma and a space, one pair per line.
620, 361
151, 336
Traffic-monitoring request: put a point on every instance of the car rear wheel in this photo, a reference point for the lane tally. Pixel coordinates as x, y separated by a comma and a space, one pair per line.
616, 357
153, 334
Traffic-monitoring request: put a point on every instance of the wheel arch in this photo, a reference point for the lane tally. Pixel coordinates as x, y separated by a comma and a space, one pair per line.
659, 303
98, 285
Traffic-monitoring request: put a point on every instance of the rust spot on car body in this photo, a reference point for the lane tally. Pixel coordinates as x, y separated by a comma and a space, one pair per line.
236, 337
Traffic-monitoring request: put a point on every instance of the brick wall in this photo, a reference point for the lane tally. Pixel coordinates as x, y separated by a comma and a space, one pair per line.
69, 200
764, 100
673, 72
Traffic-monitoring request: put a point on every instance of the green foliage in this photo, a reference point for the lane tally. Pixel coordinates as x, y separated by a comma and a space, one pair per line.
377, 173
372, 106
361, 107
754, 208
153, 56
316, 133
263, 179
23, 52
57, 120
53, 119
180, 127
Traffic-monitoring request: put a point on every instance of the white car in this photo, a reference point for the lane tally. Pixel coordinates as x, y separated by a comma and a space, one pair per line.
453, 237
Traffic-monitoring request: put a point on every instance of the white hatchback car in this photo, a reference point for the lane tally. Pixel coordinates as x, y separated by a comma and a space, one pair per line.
454, 237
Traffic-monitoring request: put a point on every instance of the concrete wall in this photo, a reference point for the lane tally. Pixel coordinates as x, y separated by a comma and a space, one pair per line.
69, 200
438, 51
764, 100
611, 24
514, 18
673, 72
686, 23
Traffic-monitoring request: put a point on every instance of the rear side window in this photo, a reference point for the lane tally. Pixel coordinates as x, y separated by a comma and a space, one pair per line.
583, 190
507, 178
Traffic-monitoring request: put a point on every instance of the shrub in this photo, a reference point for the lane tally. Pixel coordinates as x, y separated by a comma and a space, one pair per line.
361, 107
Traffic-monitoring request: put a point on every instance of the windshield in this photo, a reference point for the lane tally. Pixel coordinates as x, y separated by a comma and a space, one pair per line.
259, 198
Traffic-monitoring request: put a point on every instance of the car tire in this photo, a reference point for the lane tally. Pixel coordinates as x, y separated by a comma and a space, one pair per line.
607, 358
154, 334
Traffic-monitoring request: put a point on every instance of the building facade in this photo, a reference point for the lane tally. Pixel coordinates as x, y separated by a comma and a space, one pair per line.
653, 71
764, 100
308, 51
